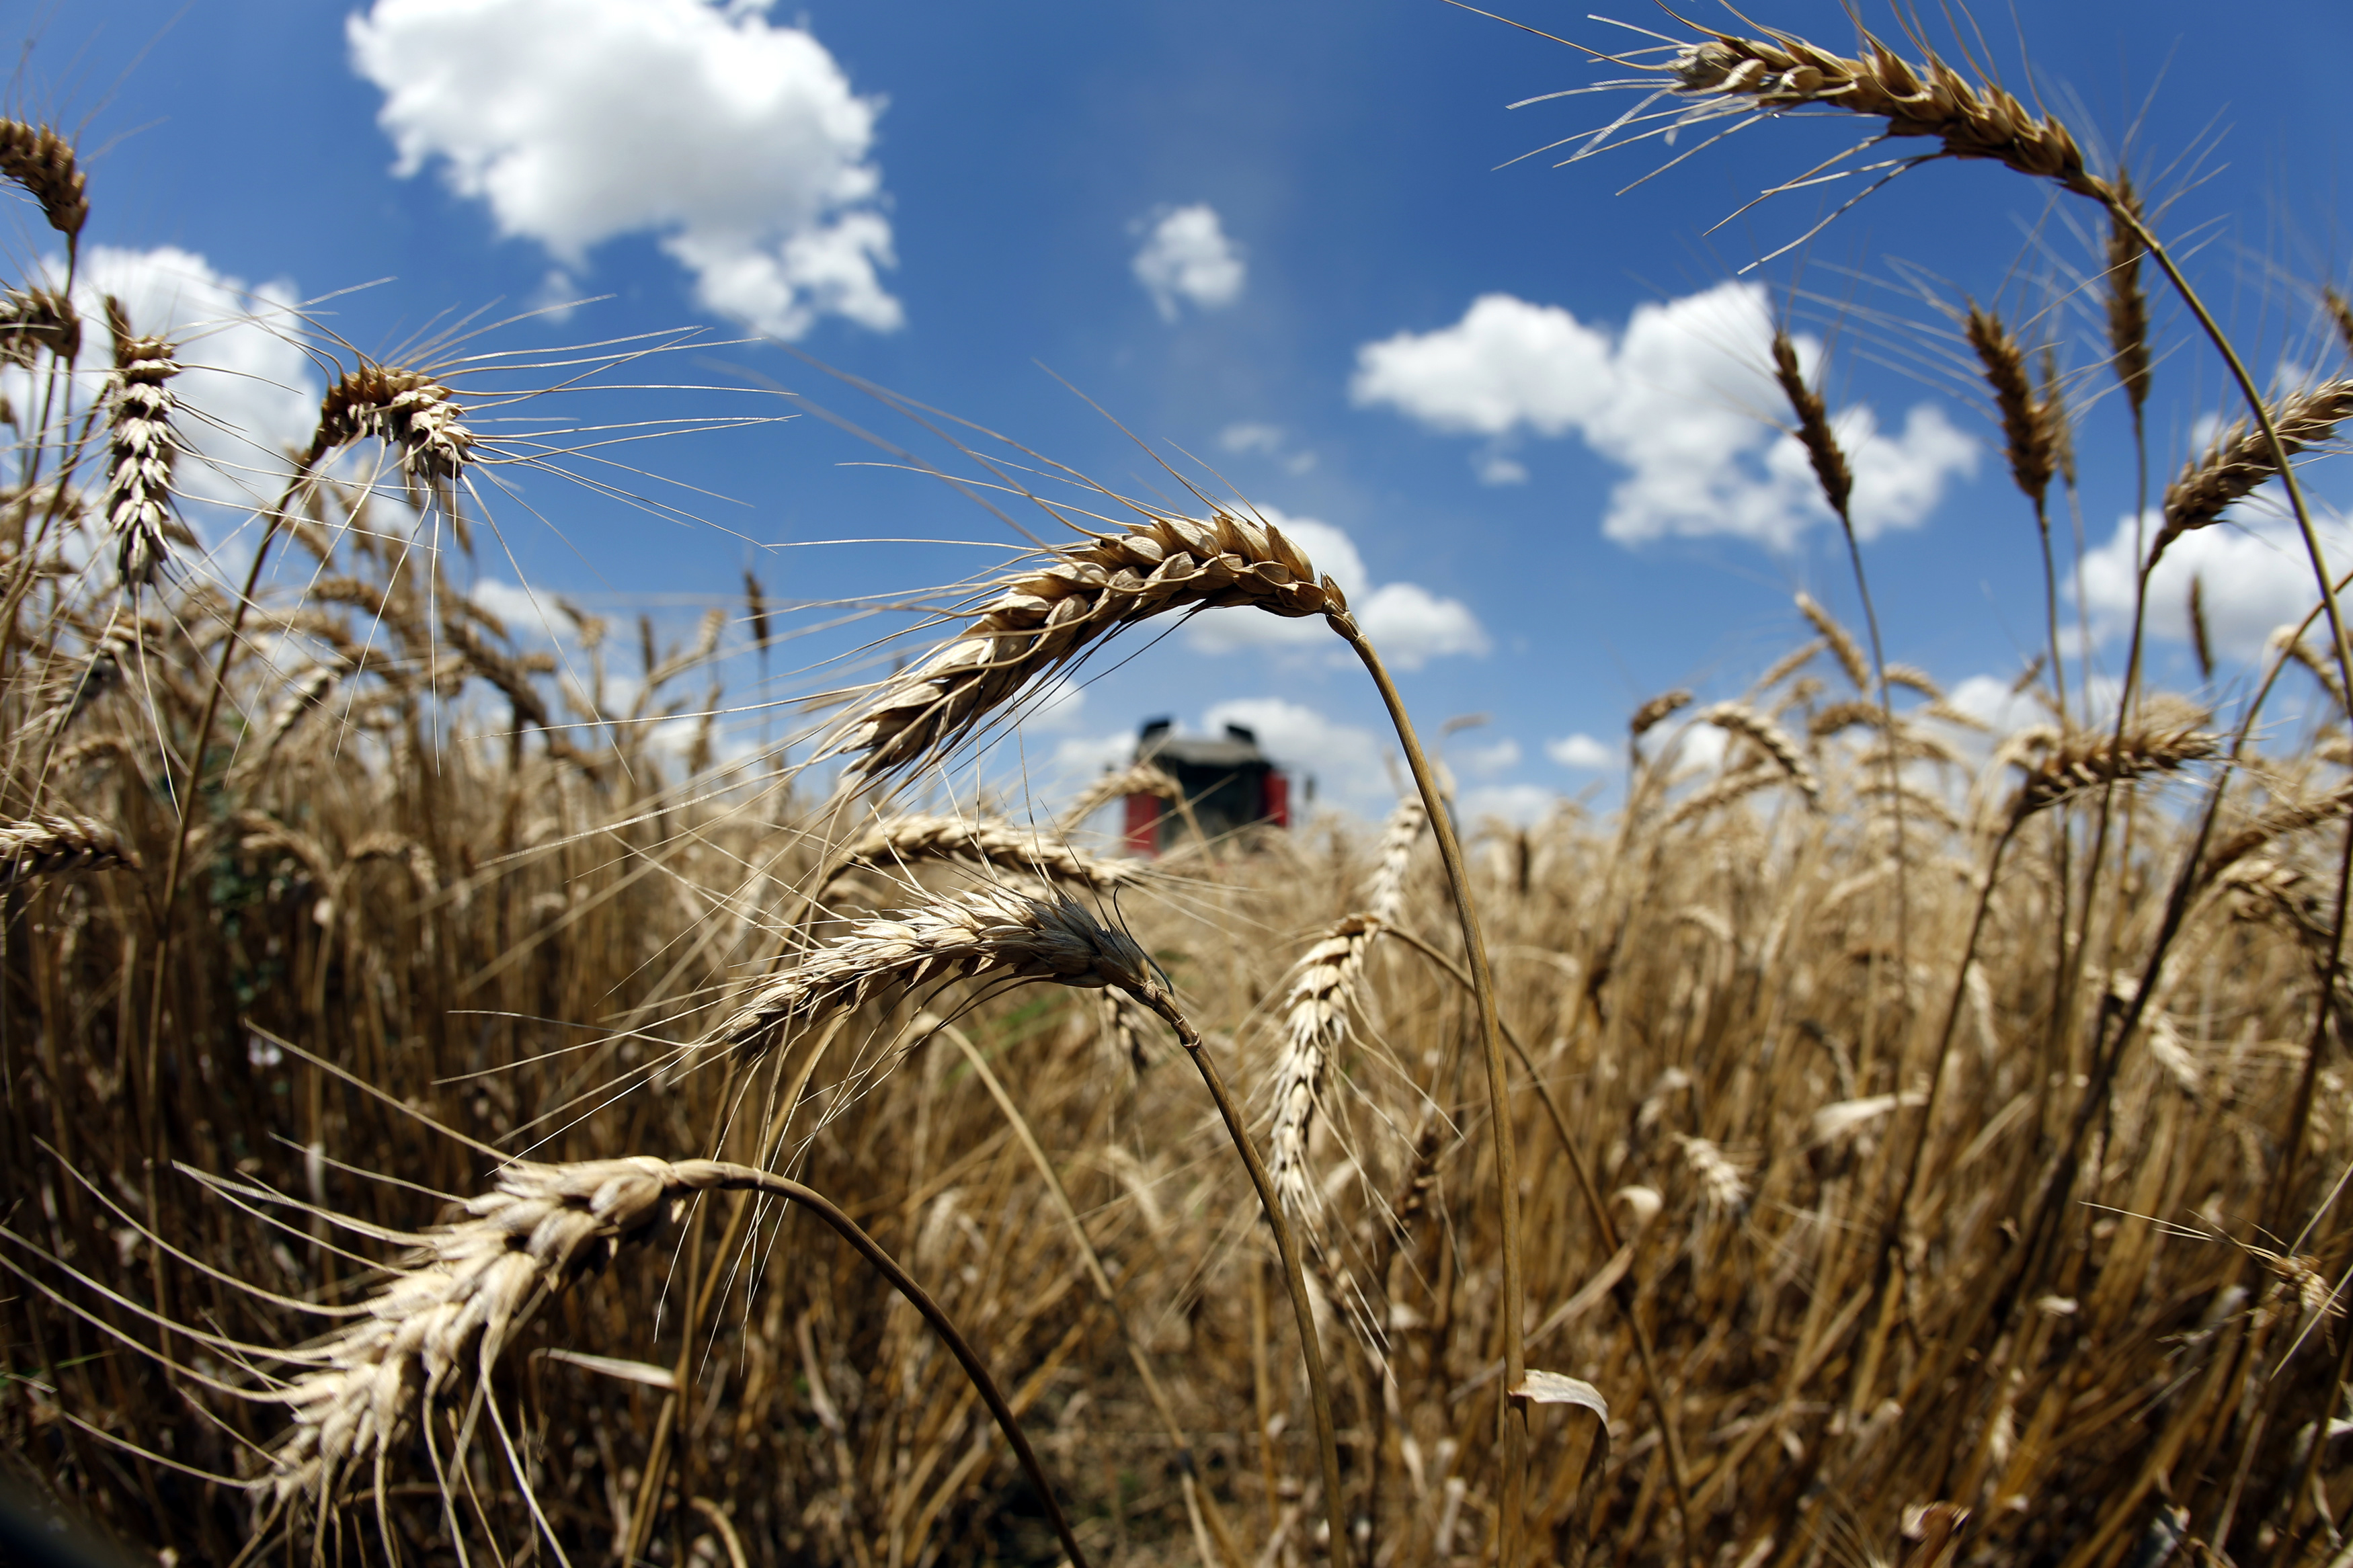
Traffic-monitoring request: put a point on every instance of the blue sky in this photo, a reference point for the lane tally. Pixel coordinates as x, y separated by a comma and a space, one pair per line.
1521, 408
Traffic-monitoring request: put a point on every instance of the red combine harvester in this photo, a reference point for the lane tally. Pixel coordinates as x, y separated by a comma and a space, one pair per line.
1227, 780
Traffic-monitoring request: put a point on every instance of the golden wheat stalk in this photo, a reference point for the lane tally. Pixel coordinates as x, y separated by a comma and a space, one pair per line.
53, 844
1035, 621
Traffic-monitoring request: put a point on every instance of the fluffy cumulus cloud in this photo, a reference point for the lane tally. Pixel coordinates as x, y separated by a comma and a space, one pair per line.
1410, 624
1186, 257
1582, 751
1683, 398
2253, 576
739, 143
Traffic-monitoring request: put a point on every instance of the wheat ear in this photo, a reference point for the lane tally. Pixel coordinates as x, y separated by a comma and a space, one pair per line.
1035, 621
144, 446
1137, 778
43, 162
50, 844
34, 321
453, 1305
1843, 646
2082, 761
985, 931
1731, 74
1771, 739
1315, 1010
2242, 458
902, 841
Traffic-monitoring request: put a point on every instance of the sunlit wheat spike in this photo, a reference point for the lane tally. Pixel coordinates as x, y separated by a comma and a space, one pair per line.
1912, 678
904, 840
52, 844
1385, 897
1838, 716
1815, 434
143, 448
2242, 458
1722, 1186
449, 1308
2281, 821
2201, 643
1843, 646
305, 692
412, 414
2127, 305
1137, 778
984, 931
1316, 1008
1728, 73
2085, 761
34, 321
2027, 428
1770, 738
2301, 651
1314, 1024
1037, 620
41, 161
1651, 714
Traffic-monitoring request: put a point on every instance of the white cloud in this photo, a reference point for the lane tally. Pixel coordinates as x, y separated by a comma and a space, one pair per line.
1187, 255
1683, 398
1989, 699
1487, 761
1518, 805
739, 143
1582, 751
1249, 438
1061, 707
2253, 576
1406, 622
525, 614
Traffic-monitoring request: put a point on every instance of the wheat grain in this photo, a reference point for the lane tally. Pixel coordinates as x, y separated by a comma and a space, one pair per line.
2200, 643
51, 845
409, 411
2242, 458
1034, 621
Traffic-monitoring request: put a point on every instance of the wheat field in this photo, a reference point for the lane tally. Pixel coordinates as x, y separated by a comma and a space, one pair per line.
463, 1107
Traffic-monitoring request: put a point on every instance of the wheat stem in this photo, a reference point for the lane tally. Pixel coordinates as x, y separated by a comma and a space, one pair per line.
1512, 1416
